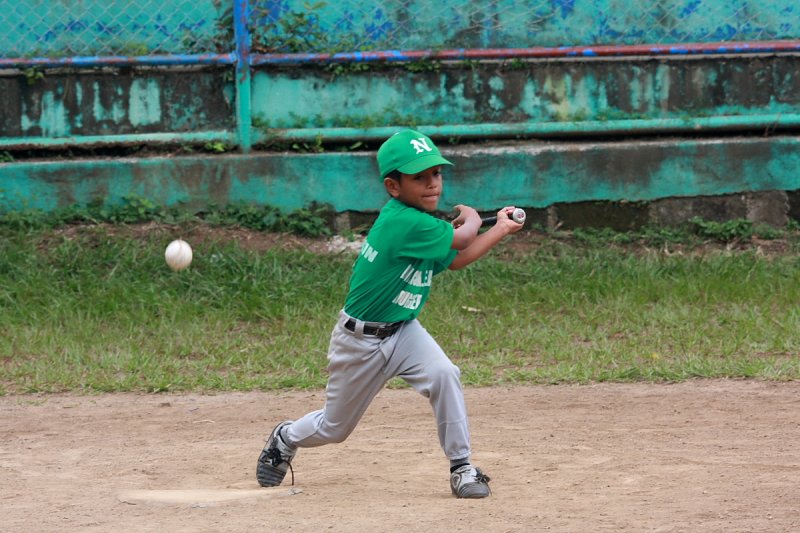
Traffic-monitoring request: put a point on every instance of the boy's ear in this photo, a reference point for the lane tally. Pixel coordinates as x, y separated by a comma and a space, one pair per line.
392, 186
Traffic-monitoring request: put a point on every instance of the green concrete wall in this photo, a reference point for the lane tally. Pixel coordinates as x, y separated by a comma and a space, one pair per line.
137, 101
529, 174
625, 102
103, 103
537, 91
534, 133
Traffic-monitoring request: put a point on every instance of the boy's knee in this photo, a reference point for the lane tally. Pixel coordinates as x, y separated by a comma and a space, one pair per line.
445, 373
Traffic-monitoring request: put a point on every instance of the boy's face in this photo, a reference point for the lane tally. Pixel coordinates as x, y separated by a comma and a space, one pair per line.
421, 190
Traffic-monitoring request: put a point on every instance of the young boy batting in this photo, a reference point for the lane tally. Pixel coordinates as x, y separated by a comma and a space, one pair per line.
377, 336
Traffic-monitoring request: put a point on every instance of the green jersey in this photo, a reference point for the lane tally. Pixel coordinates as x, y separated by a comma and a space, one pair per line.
392, 275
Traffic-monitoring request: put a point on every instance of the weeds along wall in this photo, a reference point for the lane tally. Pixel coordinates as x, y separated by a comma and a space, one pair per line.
565, 107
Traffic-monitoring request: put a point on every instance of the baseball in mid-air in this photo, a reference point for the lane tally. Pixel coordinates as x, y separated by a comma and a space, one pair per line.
178, 255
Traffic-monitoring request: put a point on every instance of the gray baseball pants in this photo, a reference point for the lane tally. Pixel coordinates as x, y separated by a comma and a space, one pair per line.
359, 367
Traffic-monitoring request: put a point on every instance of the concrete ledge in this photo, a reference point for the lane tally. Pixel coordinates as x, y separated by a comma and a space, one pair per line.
634, 182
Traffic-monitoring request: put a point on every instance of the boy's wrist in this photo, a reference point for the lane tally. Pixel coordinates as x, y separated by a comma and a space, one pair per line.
501, 229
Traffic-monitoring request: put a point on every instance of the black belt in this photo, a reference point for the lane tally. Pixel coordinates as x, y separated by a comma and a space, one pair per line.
377, 331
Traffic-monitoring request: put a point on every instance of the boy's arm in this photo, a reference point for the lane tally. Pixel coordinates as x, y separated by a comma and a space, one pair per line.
486, 240
466, 225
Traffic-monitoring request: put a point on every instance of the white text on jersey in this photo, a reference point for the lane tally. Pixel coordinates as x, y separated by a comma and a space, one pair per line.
408, 300
369, 252
417, 278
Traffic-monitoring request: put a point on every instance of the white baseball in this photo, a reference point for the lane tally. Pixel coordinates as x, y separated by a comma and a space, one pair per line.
178, 255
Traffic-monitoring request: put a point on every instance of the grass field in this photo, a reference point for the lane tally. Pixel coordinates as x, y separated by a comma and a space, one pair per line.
94, 308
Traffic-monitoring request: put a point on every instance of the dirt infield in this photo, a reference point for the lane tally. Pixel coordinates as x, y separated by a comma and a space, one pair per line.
697, 456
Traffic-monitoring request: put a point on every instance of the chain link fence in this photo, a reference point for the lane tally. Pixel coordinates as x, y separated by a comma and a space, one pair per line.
67, 28
413, 25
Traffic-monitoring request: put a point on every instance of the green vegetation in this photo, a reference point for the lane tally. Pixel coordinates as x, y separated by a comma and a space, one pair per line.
311, 221
217, 147
33, 75
93, 307
294, 31
732, 230
278, 32
131, 48
373, 120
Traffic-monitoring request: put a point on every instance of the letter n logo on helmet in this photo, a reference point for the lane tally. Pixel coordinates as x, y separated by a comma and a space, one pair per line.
420, 145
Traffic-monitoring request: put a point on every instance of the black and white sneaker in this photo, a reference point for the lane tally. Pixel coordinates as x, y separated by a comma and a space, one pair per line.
275, 459
469, 482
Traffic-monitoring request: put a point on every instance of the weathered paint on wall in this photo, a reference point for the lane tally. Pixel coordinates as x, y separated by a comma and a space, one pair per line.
285, 181
115, 102
537, 91
552, 173
528, 174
